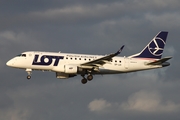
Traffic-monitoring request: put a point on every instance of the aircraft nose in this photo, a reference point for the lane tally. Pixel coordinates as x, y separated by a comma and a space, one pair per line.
10, 63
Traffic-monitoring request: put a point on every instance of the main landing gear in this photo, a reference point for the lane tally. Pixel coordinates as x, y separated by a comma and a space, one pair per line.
29, 73
84, 80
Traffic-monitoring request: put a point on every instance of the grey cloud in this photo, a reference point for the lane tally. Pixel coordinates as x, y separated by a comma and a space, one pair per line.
83, 13
162, 20
149, 102
99, 105
141, 101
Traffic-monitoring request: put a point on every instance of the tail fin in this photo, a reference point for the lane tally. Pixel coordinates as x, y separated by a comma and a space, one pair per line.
155, 47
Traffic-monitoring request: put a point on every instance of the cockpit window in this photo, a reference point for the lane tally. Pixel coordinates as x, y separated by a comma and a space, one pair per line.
21, 55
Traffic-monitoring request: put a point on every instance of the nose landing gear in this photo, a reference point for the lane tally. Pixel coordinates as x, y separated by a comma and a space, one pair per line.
29, 73
29, 77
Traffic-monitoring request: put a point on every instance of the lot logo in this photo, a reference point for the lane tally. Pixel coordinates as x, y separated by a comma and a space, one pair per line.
46, 60
156, 47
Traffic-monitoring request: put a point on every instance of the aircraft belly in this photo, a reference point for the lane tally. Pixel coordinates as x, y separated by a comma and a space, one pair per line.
41, 67
107, 71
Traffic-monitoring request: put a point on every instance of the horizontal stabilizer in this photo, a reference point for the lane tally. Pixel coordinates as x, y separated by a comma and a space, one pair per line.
160, 61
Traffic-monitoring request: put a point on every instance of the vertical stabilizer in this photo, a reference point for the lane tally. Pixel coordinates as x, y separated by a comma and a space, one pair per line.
155, 47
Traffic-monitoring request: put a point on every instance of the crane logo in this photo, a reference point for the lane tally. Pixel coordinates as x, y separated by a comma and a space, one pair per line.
156, 47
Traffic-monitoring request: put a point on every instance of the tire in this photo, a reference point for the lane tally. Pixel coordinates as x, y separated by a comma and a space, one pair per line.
28, 77
89, 77
84, 81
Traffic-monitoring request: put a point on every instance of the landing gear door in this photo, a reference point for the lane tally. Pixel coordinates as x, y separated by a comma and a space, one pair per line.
126, 62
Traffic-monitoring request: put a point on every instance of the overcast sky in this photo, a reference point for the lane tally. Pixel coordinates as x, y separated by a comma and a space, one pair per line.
92, 27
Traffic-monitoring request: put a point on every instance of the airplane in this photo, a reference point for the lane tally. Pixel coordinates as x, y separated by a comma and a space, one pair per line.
67, 65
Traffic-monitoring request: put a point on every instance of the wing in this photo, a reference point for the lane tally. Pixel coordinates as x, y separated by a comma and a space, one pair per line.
160, 61
103, 60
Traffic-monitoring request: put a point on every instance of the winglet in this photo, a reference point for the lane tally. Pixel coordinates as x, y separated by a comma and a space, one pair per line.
119, 51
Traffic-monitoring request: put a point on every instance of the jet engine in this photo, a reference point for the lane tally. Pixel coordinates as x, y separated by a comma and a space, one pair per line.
63, 75
70, 69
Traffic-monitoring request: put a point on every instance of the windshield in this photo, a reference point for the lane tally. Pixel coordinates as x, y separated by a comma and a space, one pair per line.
21, 55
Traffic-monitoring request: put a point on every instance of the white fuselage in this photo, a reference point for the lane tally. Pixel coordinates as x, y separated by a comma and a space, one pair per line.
50, 61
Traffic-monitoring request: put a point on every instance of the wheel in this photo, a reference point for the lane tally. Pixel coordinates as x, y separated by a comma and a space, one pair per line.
28, 77
84, 81
89, 77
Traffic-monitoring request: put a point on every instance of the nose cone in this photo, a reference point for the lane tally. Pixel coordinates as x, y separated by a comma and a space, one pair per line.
10, 63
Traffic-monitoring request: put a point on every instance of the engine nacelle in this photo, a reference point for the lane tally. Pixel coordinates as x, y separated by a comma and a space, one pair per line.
70, 69
60, 75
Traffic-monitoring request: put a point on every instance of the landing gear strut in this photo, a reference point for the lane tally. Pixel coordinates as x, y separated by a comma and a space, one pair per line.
29, 73
84, 80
